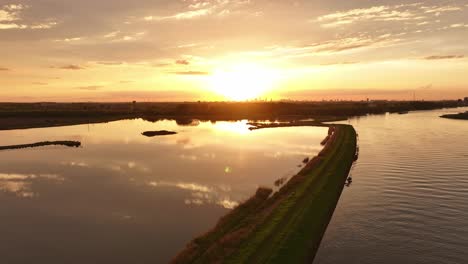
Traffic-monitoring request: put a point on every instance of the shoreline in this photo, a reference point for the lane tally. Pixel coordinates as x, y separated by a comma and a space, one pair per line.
270, 228
459, 116
40, 115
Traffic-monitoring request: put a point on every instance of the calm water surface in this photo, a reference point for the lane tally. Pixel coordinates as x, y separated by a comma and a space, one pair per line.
409, 199
125, 198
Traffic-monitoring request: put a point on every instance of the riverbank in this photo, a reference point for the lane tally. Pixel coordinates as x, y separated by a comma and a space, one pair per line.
285, 227
36, 115
75, 144
459, 116
294, 123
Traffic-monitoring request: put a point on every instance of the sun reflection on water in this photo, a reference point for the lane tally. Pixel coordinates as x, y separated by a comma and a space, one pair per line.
241, 127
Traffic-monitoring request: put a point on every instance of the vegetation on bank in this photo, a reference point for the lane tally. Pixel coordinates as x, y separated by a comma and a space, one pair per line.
43, 144
460, 116
287, 226
31, 115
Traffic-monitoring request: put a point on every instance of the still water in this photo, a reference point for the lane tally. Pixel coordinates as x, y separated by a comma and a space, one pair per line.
408, 202
126, 198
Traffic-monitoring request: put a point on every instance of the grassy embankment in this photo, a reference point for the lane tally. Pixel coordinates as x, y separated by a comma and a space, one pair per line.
459, 116
285, 227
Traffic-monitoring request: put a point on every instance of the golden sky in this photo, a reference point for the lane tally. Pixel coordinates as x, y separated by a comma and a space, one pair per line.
175, 50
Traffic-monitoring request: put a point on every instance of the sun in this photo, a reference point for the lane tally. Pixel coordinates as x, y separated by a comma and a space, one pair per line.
242, 82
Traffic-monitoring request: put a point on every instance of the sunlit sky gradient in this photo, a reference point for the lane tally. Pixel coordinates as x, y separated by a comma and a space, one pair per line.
174, 50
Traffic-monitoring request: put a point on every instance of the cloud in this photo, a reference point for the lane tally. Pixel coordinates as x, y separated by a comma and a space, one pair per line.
444, 57
90, 88
426, 87
110, 63
164, 95
10, 13
45, 25
328, 47
11, 26
182, 15
352, 43
39, 83
4, 69
71, 67
112, 34
339, 63
11, 18
458, 25
404, 13
191, 73
182, 62
69, 39
198, 9
343, 93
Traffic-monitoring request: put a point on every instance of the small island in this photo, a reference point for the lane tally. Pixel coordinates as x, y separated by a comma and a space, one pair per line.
158, 133
460, 116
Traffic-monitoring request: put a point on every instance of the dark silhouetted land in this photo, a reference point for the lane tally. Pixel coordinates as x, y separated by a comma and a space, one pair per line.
460, 116
285, 227
43, 144
33, 115
158, 133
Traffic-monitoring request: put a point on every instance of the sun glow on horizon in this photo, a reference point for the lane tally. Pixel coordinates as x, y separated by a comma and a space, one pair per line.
243, 81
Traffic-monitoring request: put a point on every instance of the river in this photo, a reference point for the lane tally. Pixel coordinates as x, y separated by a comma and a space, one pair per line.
408, 202
126, 198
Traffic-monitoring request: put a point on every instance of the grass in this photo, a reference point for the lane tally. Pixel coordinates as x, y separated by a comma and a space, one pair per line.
288, 226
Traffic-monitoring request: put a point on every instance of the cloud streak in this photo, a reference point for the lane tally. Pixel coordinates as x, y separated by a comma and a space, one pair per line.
444, 57
329, 47
89, 88
72, 67
199, 9
11, 18
416, 12
191, 73
182, 62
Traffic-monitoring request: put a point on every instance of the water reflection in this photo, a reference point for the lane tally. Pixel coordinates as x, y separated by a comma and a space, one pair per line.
127, 195
20, 184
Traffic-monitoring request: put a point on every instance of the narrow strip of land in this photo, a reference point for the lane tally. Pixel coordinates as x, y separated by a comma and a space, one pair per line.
459, 116
43, 144
285, 227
